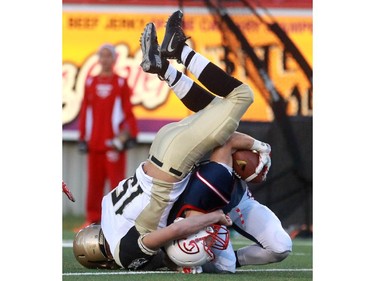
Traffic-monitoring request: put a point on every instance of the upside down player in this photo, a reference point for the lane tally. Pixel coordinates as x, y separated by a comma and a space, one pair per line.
214, 180
134, 214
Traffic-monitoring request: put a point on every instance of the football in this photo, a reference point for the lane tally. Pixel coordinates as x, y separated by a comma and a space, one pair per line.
244, 164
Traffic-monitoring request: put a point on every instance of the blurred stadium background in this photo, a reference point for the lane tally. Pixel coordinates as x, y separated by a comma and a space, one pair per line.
267, 44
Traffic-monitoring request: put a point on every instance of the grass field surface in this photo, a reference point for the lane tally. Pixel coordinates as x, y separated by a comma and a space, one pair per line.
298, 266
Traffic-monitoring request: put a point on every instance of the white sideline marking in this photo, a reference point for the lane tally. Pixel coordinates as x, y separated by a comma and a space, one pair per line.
168, 272
67, 243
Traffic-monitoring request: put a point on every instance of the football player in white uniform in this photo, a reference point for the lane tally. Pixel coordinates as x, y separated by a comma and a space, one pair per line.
134, 214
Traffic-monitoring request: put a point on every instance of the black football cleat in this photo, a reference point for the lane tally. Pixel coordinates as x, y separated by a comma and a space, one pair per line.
151, 61
174, 38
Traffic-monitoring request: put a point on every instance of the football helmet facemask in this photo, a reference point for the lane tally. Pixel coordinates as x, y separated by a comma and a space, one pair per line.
89, 247
195, 250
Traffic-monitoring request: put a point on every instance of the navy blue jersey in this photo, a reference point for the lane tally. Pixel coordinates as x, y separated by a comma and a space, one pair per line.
210, 188
239, 189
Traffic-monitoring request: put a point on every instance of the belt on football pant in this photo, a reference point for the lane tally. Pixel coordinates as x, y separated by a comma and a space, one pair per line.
160, 164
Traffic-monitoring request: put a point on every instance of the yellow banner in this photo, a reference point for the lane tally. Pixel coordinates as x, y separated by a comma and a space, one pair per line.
84, 32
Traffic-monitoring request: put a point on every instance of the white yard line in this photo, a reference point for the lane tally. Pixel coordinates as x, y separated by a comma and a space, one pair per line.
168, 272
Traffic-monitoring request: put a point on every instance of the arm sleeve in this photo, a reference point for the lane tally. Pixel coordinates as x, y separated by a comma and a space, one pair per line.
127, 107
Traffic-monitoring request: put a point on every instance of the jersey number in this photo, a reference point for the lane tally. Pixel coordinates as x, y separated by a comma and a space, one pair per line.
117, 197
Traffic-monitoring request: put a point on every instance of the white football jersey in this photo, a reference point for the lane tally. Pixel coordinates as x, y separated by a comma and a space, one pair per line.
123, 206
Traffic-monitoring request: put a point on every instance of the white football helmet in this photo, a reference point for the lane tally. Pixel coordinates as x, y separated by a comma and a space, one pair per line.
195, 250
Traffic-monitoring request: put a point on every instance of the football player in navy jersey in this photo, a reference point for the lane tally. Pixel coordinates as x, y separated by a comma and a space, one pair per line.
213, 186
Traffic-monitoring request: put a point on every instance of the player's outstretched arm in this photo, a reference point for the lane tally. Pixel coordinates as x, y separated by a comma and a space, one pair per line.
184, 228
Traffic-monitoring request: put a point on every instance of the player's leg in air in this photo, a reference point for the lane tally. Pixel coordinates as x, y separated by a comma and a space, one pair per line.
211, 125
178, 146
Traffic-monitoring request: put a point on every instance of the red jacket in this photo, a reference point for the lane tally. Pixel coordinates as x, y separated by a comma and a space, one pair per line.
105, 111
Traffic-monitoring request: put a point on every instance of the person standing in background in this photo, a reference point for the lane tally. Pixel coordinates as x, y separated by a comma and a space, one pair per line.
107, 128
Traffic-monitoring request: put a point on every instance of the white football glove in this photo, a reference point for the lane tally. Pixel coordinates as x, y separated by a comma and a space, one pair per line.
117, 144
264, 150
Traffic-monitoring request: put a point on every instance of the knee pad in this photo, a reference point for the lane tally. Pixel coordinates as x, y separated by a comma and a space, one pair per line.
243, 93
282, 248
281, 244
247, 93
